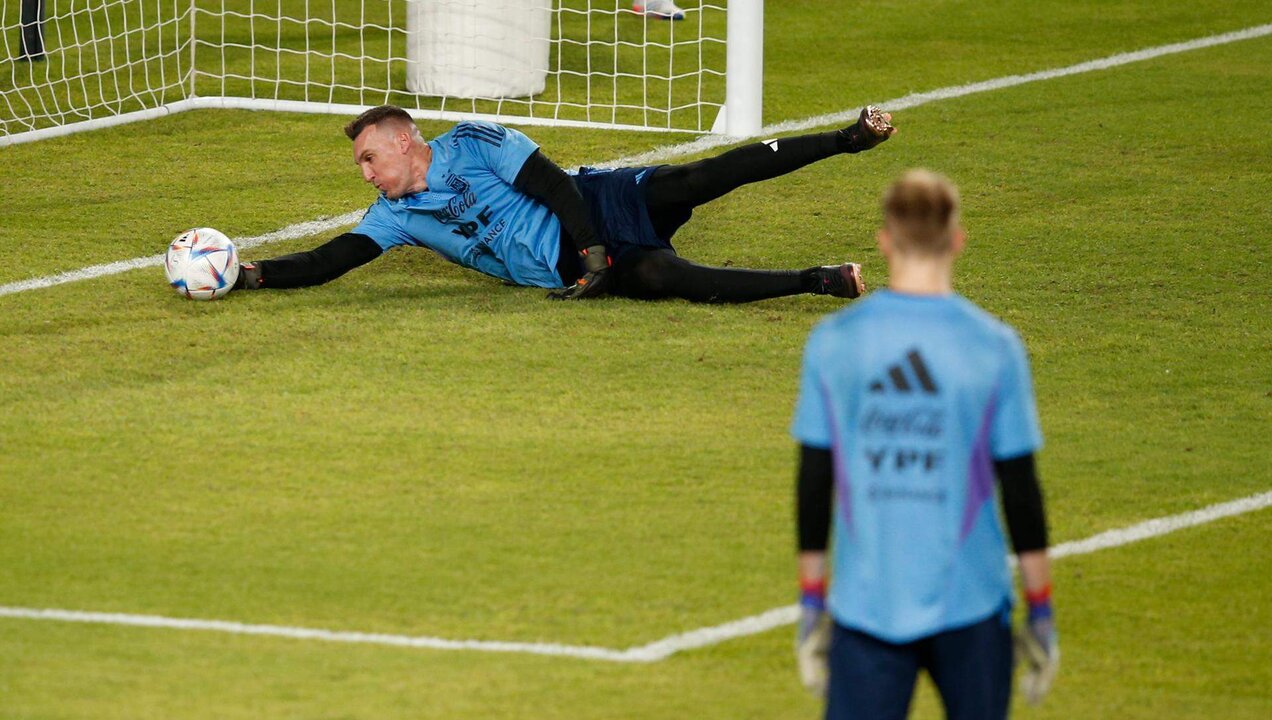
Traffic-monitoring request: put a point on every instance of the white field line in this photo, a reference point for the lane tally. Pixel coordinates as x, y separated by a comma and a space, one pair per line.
662, 154
787, 615
948, 93
298, 633
291, 232
652, 652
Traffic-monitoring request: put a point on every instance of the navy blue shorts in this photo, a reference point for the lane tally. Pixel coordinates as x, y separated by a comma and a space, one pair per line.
971, 667
619, 213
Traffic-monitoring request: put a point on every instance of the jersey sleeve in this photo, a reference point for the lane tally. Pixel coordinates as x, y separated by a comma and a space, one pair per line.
379, 224
503, 150
1015, 430
811, 426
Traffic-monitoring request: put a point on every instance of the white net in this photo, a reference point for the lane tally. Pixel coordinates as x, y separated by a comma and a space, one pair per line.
566, 61
601, 62
89, 58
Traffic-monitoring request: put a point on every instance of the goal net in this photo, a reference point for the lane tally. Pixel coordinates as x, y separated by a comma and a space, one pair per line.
69, 65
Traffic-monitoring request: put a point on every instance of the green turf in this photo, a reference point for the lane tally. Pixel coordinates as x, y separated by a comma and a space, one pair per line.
401, 451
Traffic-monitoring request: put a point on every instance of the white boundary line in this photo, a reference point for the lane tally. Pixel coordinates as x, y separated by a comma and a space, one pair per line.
1113, 538
651, 652
948, 93
658, 155
299, 633
291, 232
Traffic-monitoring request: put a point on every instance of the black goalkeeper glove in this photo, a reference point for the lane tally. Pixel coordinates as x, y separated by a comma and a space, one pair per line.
249, 277
595, 280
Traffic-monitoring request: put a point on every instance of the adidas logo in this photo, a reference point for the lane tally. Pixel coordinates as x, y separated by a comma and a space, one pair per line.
904, 382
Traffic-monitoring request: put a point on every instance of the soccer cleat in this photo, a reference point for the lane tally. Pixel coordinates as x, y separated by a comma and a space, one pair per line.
840, 280
873, 126
661, 9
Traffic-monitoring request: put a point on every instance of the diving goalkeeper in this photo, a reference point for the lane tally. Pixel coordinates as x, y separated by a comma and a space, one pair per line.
485, 197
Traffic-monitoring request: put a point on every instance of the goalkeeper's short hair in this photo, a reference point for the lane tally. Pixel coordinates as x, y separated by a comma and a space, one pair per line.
920, 212
375, 116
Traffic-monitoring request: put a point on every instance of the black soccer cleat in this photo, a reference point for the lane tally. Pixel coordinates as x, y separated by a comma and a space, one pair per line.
873, 126
840, 280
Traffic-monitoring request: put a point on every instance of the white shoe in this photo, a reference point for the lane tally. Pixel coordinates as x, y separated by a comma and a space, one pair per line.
661, 9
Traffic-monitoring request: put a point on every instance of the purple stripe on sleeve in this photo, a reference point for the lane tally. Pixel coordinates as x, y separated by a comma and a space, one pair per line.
980, 473
843, 486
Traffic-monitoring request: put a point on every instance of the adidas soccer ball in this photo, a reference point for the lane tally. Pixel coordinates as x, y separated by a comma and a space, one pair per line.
202, 264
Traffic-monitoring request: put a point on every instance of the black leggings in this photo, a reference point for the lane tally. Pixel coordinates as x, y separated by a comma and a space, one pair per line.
672, 194
656, 274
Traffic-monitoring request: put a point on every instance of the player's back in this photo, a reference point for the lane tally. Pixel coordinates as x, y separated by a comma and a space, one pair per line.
910, 388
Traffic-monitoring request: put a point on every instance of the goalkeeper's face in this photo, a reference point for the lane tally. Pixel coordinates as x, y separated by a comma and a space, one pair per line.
384, 154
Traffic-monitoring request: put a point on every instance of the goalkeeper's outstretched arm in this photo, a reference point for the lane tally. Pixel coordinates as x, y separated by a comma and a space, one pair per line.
312, 267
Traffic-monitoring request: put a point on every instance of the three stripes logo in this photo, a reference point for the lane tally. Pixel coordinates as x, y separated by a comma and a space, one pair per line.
490, 134
898, 379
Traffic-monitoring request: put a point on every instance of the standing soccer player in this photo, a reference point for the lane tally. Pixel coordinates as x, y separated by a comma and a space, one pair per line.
911, 403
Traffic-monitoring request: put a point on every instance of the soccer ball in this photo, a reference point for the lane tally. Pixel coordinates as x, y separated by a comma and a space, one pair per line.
202, 264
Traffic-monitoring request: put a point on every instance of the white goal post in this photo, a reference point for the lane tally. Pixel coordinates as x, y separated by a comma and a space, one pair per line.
72, 65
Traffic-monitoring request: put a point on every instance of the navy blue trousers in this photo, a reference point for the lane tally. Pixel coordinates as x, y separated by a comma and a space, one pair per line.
874, 680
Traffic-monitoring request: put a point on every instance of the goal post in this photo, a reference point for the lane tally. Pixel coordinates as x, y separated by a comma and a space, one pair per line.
586, 63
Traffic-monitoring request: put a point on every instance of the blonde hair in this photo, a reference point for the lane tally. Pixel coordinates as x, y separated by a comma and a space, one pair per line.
920, 212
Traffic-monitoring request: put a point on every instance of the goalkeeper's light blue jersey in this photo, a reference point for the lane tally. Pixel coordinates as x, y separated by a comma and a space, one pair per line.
471, 214
916, 396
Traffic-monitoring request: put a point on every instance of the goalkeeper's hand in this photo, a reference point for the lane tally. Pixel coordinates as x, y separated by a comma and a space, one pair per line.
812, 641
249, 277
595, 280
1039, 647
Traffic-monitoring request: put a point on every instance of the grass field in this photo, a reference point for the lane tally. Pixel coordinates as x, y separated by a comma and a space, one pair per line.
402, 451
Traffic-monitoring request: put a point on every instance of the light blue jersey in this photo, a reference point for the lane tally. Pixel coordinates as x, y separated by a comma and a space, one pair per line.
916, 396
471, 214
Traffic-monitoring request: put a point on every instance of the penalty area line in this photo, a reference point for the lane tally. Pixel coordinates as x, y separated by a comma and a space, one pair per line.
300, 633
648, 653
789, 614
291, 232
658, 155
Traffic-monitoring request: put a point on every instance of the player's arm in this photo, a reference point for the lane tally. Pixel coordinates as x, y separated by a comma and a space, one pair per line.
1024, 511
543, 180
814, 498
312, 267
1026, 516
